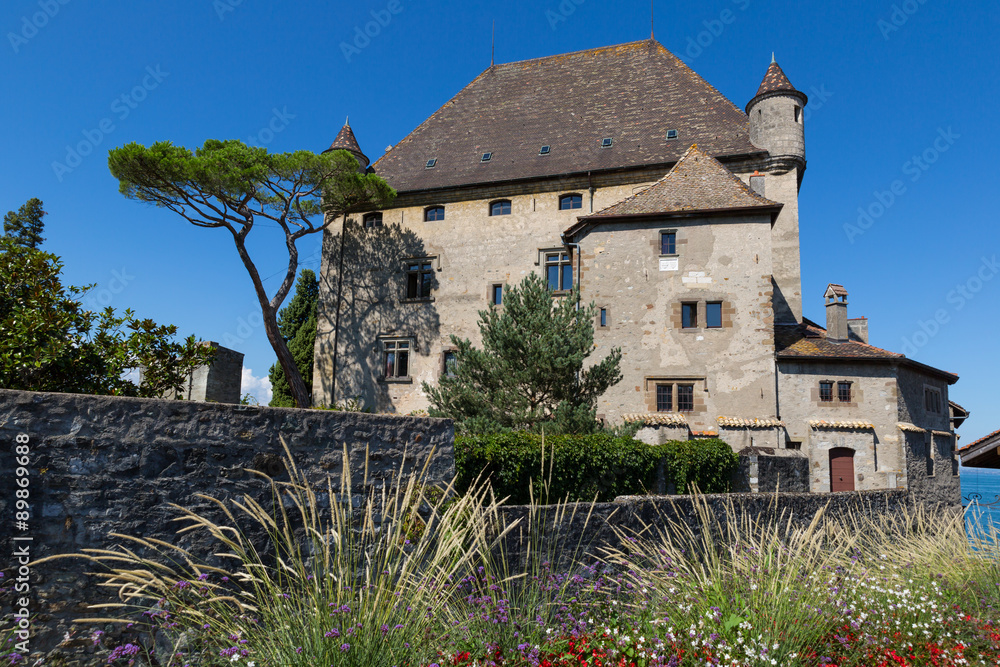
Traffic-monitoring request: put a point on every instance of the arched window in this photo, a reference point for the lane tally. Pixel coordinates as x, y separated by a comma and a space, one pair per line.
501, 207
567, 202
434, 213
373, 220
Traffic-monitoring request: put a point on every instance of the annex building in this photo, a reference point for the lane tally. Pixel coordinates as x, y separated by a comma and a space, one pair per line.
621, 171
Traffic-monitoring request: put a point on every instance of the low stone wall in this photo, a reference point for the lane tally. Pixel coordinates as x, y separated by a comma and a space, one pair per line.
763, 469
98, 465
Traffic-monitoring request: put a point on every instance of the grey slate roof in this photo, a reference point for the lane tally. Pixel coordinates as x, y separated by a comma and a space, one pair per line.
632, 93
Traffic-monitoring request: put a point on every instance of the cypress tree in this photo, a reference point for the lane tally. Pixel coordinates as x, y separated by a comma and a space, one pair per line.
297, 324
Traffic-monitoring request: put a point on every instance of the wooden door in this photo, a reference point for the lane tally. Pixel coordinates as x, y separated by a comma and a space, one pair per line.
841, 469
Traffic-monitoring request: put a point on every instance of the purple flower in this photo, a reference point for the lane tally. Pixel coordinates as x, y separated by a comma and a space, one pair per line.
123, 651
345, 647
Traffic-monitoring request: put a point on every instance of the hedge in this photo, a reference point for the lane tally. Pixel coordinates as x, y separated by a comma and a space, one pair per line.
581, 467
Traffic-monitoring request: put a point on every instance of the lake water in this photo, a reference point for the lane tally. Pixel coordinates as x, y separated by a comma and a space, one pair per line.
981, 490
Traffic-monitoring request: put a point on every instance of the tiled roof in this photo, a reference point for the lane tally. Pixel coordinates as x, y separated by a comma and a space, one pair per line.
662, 418
822, 423
838, 290
749, 422
347, 141
698, 182
809, 340
631, 93
912, 428
775, 81
982, 440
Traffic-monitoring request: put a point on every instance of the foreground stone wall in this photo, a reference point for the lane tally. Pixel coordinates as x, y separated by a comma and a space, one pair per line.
99, 465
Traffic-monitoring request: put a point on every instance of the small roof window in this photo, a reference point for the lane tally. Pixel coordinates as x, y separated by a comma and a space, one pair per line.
487, 157
430, 163
671, 135
544, 150
606, 142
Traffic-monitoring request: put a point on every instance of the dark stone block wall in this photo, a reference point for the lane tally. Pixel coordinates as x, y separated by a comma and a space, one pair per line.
109, 464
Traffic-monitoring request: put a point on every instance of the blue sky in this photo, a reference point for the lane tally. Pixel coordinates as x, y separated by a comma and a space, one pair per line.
901, 125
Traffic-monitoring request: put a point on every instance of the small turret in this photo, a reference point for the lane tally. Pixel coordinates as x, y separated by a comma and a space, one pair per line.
777, 122
347, 142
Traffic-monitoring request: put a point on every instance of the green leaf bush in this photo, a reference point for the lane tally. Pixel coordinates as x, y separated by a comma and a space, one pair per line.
585, 467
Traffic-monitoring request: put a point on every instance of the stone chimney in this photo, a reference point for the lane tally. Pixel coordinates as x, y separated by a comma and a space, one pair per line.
858, 326
836, 314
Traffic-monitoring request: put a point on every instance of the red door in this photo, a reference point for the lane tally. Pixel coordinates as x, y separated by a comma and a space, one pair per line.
841, 469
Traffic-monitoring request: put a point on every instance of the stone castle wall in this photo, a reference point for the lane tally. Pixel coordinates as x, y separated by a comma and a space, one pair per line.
98, 465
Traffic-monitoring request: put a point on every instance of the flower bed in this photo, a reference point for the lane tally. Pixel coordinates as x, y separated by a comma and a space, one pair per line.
425, 581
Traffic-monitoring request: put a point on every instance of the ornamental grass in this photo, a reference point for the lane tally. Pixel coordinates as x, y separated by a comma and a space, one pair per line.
422, 577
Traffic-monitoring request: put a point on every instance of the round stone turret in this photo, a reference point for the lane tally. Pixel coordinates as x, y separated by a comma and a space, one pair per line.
777, 117
346, 141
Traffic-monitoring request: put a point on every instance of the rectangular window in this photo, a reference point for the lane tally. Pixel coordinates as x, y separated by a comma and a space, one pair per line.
932, 400
448, 363
844, 392
604, 317
496, 295
689, 315
791, 444
396, 359
826, 391
419, 279
559, 271
713, 314
685, 397
664, 397
668, 243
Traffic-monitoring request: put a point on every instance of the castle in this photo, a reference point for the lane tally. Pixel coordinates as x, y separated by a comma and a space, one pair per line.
620, 171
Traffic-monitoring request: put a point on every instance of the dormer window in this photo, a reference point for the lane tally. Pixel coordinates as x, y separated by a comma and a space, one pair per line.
671, 135
487, 157
433, 213
607, 142
501, 207
567, 202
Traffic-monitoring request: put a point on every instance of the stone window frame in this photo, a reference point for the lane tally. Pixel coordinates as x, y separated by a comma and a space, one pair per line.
702, 301
699, 394
491, 293
850, 391
435, 266
443, 370
826, 396
500, 202
383, 347
676, 242
543, 264
816, 393
603, 318
372, 220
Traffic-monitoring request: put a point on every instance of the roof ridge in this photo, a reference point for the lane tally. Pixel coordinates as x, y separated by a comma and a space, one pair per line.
691, 154
595, 49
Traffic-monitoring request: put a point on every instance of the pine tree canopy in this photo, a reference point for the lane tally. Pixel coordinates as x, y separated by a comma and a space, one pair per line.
530, 373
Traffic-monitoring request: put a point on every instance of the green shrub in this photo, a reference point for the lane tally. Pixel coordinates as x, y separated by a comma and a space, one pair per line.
582, 467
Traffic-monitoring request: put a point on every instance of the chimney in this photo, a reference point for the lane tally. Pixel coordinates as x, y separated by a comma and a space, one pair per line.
836, 313
858, 327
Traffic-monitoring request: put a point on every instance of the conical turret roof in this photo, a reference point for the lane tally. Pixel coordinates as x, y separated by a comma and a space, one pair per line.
346, 141
775, 81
